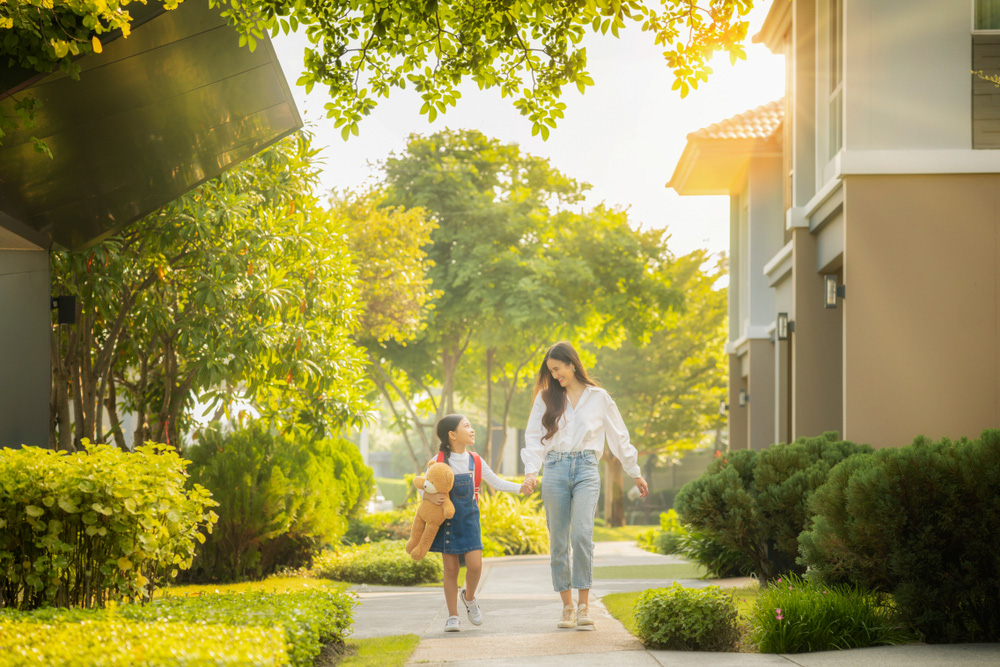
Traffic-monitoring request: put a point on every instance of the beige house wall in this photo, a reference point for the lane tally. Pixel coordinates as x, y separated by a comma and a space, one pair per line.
738, 417
760, 386
921, 318
817, 354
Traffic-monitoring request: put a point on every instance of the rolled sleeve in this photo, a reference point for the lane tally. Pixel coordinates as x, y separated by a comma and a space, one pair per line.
533, 453
619, 441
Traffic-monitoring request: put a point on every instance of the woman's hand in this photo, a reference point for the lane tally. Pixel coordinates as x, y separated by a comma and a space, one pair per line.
529, 484
640, 484
436, 498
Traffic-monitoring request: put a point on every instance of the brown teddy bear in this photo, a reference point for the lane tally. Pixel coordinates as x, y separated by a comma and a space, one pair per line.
429, 518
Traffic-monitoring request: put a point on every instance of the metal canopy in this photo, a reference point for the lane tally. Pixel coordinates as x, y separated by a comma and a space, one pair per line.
155, 115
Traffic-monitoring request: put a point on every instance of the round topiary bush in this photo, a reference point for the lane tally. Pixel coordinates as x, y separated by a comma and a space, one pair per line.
687, 619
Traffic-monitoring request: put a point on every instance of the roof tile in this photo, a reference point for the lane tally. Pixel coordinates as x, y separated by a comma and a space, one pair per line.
759, 123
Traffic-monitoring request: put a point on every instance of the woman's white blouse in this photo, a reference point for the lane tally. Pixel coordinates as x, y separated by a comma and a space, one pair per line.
594, 419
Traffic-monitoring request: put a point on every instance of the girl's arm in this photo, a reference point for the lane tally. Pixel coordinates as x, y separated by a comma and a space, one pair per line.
496, 482
534, 451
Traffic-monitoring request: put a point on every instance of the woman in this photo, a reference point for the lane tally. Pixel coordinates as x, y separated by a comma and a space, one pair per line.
570, 419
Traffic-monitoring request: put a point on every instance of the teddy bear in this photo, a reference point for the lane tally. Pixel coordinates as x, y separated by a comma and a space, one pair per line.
439, 479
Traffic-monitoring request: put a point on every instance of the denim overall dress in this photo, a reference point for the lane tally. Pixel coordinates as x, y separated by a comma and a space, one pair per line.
460, 534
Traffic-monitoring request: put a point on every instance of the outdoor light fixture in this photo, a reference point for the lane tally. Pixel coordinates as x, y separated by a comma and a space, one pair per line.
831, 290
66, 305
744, 398
784, 326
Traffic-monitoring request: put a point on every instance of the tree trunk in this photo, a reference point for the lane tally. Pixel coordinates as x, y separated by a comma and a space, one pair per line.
614, 498
111, 404
488, 454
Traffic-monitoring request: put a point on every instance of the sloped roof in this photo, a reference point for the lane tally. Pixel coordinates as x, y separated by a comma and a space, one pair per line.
717, 154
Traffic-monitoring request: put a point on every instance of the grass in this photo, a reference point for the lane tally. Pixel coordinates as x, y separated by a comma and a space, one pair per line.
391, 651
666, 571
625, 533
461, 580
270, 585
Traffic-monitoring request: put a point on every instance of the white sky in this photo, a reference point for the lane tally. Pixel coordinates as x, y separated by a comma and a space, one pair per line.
624, 136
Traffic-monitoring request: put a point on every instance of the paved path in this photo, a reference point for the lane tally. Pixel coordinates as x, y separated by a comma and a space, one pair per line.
521, 611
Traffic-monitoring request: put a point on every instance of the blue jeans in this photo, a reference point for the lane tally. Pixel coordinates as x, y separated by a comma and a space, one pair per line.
571, 484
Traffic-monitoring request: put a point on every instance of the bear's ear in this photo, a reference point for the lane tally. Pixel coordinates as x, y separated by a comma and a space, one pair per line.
418, 482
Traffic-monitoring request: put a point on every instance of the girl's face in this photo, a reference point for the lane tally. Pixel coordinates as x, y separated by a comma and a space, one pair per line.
561, 372
463, 436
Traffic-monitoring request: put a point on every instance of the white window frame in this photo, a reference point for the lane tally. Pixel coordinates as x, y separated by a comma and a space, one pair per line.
977, 31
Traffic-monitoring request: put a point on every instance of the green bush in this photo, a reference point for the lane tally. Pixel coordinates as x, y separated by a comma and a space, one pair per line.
81, 529
395, 490
307, 619
793, 616
110, 642
281, 499
687, 619
513, 524
700, 547
394, 525
756, 502
384, 563
922, 523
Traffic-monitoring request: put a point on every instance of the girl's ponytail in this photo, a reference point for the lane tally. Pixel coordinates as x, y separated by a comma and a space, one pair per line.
447, 424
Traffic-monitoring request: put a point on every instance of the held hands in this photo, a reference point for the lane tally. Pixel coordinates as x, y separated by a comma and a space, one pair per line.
529, 485
640, 484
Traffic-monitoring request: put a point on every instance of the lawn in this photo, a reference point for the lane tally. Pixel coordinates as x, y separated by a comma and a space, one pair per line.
664, 571
270, 585
391, 651
625, 533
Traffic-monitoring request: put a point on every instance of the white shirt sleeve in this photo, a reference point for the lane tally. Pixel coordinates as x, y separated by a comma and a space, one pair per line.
619, 440
534, 451
496, 482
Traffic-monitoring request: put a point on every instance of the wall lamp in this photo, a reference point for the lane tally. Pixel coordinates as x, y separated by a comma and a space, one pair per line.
831, 290
744, 398
784, 326
66, 305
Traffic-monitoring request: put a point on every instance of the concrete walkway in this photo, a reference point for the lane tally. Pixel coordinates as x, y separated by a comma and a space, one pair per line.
521, 611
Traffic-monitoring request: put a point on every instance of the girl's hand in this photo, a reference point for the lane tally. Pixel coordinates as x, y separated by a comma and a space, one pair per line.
529, 483
436, 498
640, 484
527, 489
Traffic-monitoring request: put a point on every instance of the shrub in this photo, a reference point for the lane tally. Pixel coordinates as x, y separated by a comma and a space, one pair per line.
514, 524
80, 529
394, 525
307, 619
793, 616
687, 619
384, 563
394, 489
110, 642
920, 522
700, 547
756, 502
281, 499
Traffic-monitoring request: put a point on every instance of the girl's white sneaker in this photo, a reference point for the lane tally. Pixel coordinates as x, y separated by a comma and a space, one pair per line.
472, 607
452, 624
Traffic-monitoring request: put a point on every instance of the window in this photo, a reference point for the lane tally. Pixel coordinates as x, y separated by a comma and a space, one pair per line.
836, 77
986, 15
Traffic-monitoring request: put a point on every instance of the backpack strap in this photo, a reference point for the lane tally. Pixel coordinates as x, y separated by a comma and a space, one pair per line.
476, 465
440, 457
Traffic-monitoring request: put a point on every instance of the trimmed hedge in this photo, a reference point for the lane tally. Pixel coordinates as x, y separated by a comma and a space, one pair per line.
922, 523
385, 563
96, 525
306, 619
700, 547
93, 643
281, 499
756, 502
379, 526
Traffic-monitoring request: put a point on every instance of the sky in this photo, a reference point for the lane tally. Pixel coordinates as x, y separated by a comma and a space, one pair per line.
623, 136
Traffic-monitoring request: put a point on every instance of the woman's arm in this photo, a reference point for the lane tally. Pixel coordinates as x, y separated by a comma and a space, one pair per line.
619, 440
534, 450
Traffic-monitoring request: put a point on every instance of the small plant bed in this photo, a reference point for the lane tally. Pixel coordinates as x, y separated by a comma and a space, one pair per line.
664, 571
793, 616
378, 563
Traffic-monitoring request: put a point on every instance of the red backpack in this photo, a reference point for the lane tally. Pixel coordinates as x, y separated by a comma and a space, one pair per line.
477, 474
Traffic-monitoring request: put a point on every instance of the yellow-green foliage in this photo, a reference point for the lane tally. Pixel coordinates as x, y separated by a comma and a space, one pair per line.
383, 563
514, 524
269, 585
80, 529
94, 643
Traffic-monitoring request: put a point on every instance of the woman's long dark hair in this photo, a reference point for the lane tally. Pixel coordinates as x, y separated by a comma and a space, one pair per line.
553, 393
446, 425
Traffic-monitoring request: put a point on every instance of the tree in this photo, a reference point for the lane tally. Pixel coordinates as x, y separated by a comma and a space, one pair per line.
669, 389
361, 50
239, 290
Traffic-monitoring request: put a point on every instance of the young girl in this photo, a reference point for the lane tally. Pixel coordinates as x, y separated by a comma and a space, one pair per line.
460, 534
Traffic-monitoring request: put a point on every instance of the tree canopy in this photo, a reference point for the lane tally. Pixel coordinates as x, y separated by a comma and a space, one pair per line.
363, 49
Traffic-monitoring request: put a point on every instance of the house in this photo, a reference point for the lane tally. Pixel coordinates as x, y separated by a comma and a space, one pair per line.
865, 225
